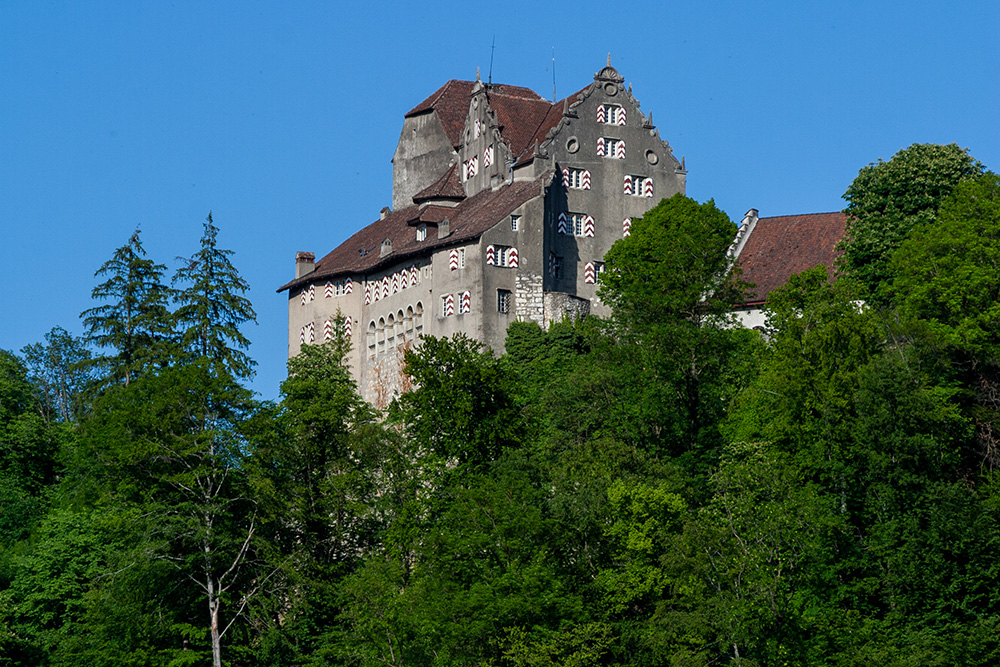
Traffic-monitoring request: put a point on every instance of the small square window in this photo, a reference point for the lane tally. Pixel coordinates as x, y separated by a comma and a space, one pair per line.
515, 222
503, 301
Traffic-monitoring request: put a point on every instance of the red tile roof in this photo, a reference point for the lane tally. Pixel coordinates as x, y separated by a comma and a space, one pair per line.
446, 187
524, 116
468, 220
781, 246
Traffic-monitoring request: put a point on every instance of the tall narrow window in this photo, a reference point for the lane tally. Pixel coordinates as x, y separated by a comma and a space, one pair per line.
421, 232
503, 301
371, 340
515, 222
418, 319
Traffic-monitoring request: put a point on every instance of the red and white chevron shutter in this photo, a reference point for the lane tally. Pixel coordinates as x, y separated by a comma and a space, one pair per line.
413, 274
312, 331
647, 188
589, 274
385, 286
395, 283
466, 304
328, 330
404, 279
588, 226
626, 227
449, 305
348, 327
488, 156
491, 255
368, 293
602, 114
303, 296
562, 223
512, 257
620, 120
627, 186
312, 292
620, 150
472, 166
453, 260
479, 128
348, 286
565, 174
328, 290
585, 183
302, 336
600, 147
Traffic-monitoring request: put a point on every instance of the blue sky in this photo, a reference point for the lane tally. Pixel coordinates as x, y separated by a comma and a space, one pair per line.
282, 118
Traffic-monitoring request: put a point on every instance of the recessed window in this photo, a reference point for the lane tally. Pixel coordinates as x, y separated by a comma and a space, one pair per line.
503, 301
611, 147
461, 258
637, 186
611, 114
577, 179
515, 222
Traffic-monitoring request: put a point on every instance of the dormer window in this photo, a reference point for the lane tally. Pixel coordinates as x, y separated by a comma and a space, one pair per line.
421, 233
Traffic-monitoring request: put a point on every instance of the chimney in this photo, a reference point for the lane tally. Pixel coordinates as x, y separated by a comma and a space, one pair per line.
305, 262
444, 229
384, 212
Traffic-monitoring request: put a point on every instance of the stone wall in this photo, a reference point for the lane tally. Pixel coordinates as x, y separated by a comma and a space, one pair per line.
529, 299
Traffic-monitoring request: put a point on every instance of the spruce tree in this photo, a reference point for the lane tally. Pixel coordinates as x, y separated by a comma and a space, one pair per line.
136, 323
212, 307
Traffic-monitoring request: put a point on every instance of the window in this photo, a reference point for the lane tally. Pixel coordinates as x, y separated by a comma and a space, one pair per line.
461, 258
421, 232
390, 332
638, 186
418, 319
599, 267
555, 265
611, 147
408, 329
577, 179
503, 301
611, 114
380, 336
501, 255
515, 222
371, 340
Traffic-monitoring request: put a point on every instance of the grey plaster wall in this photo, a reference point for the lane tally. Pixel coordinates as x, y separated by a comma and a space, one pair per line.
422, 156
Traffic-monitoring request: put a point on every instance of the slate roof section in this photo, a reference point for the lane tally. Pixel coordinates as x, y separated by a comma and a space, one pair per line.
781, 246
467, 220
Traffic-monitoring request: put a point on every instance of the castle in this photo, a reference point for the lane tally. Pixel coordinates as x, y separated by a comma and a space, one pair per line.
503, 207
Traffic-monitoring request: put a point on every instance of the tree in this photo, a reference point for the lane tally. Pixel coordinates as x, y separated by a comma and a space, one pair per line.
136, 323
62, 373
948, 281
889, 199
212, 307
671, 293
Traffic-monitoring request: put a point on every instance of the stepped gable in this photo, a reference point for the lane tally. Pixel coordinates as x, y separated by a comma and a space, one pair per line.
469, 219
448, 187
781, 246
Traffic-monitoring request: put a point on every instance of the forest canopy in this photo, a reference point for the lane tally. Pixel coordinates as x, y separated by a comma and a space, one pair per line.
656, 487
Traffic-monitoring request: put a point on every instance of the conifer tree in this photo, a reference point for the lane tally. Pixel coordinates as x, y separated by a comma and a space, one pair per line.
135, 323
212, 307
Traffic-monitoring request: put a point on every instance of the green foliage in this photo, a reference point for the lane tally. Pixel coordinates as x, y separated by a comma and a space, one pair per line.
212, 307
136, 324
62, 372
462, 406
889, 199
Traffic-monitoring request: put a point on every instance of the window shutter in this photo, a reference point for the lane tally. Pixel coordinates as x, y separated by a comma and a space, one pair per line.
328, 330
620, 149
453, 260
368, 293
565, 177
348, 286
621, 116
512, 258
627, 186
488, 156
586, 179
602, 114
562, 223
600, 147
626, 227
647, 188
491, 255
588, 226
466, 304
449, 305
348, 327
589, 274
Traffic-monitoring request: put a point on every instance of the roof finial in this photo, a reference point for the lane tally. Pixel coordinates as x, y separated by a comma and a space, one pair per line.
477, 73
609, 59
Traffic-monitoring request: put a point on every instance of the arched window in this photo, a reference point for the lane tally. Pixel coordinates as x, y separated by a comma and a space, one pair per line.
418, 319
380, 336
400, 335
390, 333
371, 340
408, 328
